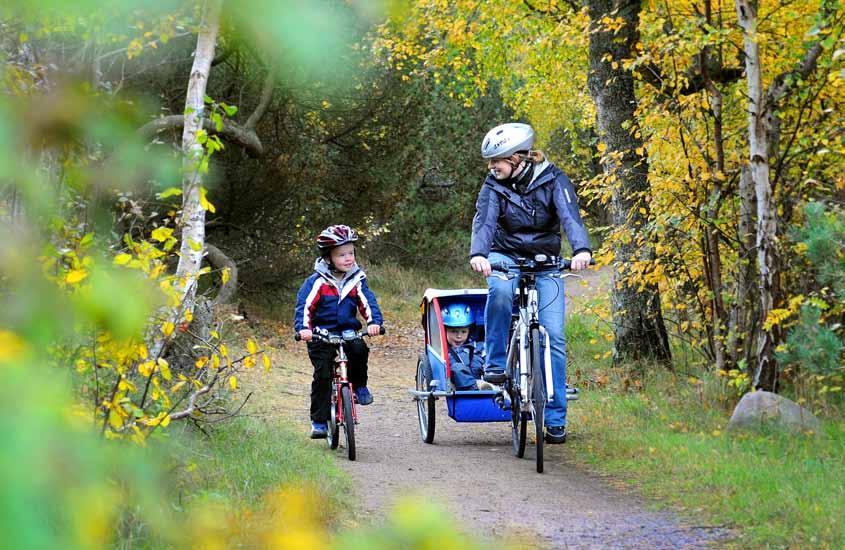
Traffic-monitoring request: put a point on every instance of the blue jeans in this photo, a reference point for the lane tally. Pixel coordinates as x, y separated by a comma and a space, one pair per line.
497, 320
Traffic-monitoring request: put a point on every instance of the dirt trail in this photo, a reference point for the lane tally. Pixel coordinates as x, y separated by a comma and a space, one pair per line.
470, 468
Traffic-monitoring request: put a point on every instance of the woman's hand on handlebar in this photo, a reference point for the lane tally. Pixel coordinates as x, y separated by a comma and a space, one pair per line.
581, 261
373, 330
481, 265
305, 335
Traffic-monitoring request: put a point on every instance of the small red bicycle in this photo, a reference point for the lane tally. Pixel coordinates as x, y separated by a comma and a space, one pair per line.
343, 413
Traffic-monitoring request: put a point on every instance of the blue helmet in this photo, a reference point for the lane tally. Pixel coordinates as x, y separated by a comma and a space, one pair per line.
457, 315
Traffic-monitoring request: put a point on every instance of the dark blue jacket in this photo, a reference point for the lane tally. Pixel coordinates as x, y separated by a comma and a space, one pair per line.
324, 302
467, 365
525, 224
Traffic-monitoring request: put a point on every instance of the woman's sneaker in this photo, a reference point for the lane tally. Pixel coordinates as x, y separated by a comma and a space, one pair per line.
495, 376
555, 434
319, 430
364, 396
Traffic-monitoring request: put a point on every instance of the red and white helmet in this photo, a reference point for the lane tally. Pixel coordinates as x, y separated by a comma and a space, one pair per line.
334, 236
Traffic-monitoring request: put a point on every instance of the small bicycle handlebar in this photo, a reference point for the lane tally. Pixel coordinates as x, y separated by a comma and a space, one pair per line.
334, 338
539, 264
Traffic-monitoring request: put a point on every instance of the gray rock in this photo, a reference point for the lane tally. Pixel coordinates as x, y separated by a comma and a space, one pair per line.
765, 409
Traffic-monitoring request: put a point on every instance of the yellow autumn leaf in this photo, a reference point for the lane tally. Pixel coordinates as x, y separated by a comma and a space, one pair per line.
200, 362
11, 346
146, 368
206, 205
224, 351
251, 346
122, 259
164, 368
266, 361
233, 382
75, 275
224, 275
167, 328
161, 234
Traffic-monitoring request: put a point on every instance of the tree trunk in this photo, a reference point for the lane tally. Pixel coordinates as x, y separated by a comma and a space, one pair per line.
763, 134
766, 372
713, 258
637, 318
193, 213
742, 326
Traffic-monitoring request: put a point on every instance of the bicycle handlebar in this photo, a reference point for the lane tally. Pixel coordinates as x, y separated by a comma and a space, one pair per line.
334, 338
539, 264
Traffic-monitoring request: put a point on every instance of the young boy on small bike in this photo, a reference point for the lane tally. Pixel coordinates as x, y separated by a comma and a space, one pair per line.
331, 299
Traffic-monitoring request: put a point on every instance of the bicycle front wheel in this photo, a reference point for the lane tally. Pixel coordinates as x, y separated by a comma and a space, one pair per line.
538, 395
348, 421
519, 420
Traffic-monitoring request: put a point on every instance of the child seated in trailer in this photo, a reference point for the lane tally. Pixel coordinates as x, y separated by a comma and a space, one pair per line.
466, 357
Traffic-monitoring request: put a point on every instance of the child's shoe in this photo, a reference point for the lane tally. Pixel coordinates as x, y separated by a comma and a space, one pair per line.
319, 430
555, 434
364, 396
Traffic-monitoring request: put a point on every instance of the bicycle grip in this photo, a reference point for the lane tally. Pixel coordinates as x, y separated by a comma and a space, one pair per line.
567, 263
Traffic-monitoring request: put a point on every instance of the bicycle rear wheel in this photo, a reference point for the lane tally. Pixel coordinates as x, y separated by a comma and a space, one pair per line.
333, 438
538, 395
348, 421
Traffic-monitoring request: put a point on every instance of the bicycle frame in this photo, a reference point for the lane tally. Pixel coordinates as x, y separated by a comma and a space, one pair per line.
339, 375
528, 318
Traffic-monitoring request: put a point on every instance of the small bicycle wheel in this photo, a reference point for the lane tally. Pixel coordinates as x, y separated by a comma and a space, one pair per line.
538, 395
348, 421
425, 407
333, 438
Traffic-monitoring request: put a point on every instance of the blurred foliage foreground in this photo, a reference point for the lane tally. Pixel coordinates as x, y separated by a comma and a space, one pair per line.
82, 283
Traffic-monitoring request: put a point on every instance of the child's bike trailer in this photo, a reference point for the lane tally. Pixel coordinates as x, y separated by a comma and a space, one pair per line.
434, 369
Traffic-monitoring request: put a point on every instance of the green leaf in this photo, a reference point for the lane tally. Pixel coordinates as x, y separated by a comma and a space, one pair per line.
230, 109
86, 240
208, 100
170, 192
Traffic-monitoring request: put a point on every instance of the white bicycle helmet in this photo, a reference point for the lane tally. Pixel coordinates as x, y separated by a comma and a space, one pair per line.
506, 139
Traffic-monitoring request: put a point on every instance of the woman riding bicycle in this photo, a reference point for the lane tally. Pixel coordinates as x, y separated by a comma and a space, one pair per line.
521, 207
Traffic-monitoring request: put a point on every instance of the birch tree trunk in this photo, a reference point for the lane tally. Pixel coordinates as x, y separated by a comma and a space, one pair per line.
765, 375
193, 213
639, 331
763, 133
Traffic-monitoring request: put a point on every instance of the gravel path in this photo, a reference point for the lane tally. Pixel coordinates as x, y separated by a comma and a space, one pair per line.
471, 470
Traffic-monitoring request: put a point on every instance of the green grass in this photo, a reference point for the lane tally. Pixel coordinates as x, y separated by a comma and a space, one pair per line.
232, 471
664, 435
244, 458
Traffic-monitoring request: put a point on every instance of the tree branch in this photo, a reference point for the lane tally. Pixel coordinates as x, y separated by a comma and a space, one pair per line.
782, 83
219, 260
264, 101
232, 131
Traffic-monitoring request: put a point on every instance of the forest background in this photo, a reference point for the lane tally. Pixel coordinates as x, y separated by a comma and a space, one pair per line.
704, 138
